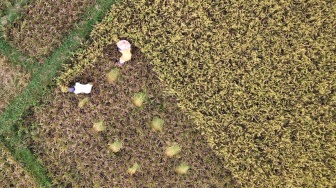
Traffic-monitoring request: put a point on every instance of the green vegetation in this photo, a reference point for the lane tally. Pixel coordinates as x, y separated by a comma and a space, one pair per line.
11, 10
12, 173
44, 76
4, 5
38, 87
28, 160
17, 58
257, 78
13, 81
45, 25
253, 80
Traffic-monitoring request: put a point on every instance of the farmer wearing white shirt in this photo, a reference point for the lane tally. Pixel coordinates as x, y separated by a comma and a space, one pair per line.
81, 88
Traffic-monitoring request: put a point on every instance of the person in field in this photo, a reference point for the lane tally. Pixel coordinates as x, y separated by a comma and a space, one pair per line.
81, 88
125, 48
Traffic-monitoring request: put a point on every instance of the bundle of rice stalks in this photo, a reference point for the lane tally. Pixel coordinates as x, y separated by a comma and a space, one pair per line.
132, 170
139, 98
157, 124
173, 150
112, 76
99, 126
182, 168
116, 146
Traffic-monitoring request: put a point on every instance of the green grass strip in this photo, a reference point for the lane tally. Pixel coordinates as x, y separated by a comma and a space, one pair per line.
38, 87
24, 155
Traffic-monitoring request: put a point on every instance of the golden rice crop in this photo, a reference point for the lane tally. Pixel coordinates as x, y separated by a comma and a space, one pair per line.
257, 78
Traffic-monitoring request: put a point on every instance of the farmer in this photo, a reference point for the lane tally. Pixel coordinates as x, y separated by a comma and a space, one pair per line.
125, 48
81, 88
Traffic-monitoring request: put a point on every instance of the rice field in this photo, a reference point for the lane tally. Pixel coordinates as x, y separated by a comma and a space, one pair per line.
216, 94
45, 25
13, 80
12, 173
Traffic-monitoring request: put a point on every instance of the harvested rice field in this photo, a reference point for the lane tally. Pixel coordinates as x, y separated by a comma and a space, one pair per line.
83, 154
13, 80
45, 24
212, 93
11, 10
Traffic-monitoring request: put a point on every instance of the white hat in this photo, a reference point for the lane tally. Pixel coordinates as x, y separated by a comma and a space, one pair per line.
124, 45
